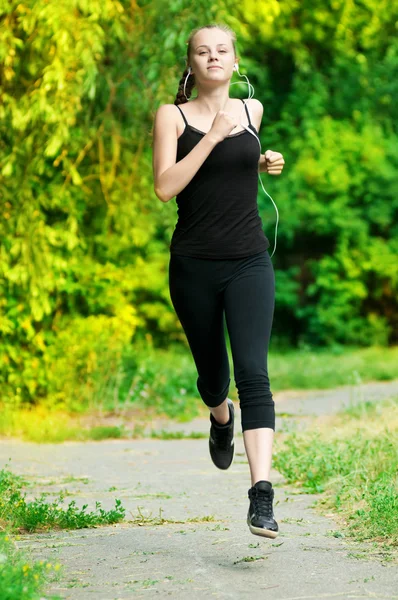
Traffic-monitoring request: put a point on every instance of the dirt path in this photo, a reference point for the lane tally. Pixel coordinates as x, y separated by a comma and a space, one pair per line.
209, 551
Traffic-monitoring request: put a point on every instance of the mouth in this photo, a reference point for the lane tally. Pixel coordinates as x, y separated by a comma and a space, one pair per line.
214, 67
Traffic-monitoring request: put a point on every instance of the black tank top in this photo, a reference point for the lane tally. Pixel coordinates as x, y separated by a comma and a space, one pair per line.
217, 211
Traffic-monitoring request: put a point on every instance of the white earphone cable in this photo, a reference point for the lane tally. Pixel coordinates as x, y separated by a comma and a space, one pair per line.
251, 94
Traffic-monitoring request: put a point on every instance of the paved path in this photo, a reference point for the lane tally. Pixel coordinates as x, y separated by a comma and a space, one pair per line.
217, 558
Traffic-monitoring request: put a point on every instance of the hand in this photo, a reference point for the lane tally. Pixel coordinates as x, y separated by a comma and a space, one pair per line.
274, 162
222, 125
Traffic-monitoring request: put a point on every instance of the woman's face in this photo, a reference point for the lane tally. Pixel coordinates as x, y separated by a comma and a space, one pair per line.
212, 55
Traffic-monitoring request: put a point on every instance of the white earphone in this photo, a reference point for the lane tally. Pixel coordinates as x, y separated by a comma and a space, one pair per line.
251, 94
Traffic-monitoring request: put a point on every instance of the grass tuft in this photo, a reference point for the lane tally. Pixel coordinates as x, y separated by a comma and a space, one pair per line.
352, 458
17, 514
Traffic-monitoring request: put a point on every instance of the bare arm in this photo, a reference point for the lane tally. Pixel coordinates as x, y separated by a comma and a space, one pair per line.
257, 111
262, 164
275, 162
170, 177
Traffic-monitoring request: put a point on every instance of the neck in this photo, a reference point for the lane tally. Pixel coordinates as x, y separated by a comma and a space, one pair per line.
210, 101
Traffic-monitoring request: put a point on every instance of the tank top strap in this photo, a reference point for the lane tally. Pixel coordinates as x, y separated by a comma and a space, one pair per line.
183, 116
247, 111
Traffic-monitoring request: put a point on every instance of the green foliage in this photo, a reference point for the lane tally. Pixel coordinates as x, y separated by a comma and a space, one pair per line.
83, 238
313, 460
328, 368
355, 460
20, 578
75, 365
149, 382
382, 517
328, 77
18, 514
163, 380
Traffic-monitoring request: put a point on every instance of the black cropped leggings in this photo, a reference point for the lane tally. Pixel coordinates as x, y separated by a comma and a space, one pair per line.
202, 291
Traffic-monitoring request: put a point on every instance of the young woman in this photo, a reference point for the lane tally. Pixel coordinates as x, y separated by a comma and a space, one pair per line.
219, 262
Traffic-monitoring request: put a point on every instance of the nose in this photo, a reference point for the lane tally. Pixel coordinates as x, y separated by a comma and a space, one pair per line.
213, 55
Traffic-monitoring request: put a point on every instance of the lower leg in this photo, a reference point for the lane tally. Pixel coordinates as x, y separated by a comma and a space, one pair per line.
258, 446
221, 412
249, 307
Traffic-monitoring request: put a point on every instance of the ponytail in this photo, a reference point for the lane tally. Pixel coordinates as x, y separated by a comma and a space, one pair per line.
180, 96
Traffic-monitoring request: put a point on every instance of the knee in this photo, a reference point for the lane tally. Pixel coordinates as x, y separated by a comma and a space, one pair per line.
253, 381
212, 398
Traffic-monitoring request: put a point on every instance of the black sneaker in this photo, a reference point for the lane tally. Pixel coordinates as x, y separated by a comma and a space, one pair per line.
260, 516
221, 440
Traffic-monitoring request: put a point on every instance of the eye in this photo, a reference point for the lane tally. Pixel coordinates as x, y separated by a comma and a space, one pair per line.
204, 52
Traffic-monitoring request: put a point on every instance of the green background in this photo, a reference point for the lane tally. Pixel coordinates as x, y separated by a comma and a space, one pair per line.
84, 241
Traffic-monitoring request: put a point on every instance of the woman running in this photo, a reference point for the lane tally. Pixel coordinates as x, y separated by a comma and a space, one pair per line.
219, 263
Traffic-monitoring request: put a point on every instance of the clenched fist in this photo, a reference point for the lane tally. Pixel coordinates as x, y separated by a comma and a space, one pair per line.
274, 162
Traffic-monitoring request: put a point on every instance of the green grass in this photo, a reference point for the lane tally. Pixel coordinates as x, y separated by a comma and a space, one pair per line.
50, 426
162, 383
330, 368
21, 579
18, 515
165, 380
352, 460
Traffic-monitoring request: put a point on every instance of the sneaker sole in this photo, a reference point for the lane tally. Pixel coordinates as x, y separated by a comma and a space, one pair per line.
261, 531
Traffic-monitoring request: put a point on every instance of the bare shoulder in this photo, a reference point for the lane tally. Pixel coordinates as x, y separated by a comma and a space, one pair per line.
256, 105
165, 124
166, 114
256, 110
166, 109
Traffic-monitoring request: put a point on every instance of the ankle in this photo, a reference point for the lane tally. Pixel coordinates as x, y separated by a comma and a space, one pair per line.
223, 422
262, 480
221, 415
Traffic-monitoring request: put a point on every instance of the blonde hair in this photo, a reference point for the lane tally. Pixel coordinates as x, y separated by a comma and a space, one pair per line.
180, 97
